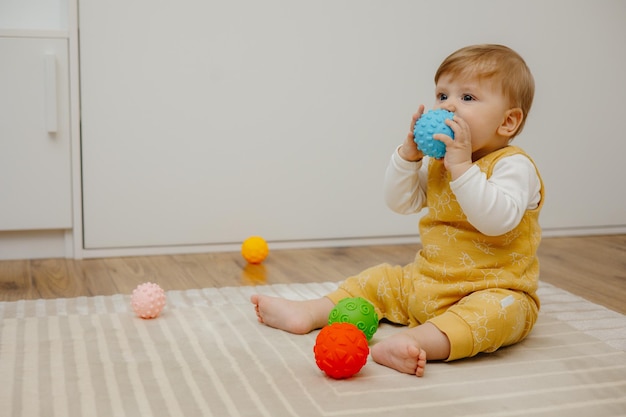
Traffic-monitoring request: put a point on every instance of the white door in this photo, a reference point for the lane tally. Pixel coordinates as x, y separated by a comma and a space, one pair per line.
202, 124
205, 122
35, 181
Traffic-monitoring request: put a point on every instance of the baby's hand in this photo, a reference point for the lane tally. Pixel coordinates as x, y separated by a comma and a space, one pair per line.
408, 150
458, 157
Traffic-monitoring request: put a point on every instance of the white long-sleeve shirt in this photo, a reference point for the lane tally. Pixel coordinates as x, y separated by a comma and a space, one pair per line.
494, 206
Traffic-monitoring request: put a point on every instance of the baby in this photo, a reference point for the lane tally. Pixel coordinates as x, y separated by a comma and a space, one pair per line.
472, 286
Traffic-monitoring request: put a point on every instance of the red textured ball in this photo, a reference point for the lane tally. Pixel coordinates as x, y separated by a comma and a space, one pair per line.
341, 350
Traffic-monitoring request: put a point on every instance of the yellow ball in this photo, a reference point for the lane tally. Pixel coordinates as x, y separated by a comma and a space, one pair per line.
254, 249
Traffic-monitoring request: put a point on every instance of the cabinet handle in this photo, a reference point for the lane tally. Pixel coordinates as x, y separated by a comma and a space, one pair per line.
50, 64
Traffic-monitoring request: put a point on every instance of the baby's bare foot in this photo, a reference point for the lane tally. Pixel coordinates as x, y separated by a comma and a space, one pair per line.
401, 352
299, 317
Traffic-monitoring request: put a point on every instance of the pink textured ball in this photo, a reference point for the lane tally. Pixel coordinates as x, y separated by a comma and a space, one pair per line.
148, 300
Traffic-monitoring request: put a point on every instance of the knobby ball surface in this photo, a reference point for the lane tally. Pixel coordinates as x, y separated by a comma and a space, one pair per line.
429, 124
341, 350
148, 300
357, 311
254, 249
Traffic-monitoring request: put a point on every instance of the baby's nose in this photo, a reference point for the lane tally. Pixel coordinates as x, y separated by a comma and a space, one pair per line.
449, 106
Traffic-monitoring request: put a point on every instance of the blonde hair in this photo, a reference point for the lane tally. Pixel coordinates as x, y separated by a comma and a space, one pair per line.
496, 62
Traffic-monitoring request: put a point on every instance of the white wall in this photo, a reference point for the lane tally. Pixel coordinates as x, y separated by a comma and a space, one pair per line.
578, 55
203, 124
296, 106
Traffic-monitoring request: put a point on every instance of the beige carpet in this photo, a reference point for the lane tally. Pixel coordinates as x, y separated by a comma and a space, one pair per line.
208, 356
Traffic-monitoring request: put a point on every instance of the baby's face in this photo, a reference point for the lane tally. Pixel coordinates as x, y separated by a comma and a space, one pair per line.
480, 102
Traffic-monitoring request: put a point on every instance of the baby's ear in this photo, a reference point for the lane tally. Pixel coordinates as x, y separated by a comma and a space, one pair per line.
512, 121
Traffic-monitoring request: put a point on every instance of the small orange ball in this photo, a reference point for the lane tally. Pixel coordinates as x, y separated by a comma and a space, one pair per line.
254, 249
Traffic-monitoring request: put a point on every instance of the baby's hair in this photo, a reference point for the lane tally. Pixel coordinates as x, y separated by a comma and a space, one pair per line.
496, 62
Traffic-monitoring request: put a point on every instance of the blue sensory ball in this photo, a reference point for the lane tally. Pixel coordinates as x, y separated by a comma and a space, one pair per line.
431, 123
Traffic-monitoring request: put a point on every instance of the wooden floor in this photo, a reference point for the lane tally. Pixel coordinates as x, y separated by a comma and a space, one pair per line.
593, 267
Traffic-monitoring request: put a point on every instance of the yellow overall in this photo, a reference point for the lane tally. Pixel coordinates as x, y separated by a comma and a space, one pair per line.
479, 290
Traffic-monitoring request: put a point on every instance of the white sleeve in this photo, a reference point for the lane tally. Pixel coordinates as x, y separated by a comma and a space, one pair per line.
496, 205
405, 185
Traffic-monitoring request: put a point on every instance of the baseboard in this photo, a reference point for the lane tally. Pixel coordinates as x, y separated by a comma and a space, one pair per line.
35, 244
234, 247
321, 243
59, 244
548, 232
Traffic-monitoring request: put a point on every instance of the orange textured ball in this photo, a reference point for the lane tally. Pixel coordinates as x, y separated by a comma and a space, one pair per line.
254, 249
341, 350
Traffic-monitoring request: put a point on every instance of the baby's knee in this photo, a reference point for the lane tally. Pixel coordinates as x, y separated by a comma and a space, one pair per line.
487, 320
383, 285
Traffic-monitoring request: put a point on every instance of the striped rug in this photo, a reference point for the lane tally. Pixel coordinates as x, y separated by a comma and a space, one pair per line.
208, 356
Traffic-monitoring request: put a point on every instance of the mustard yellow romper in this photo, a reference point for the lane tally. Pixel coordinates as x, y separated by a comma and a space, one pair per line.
479, 290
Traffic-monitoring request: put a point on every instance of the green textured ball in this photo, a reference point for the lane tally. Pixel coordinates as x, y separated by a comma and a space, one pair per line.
357, 311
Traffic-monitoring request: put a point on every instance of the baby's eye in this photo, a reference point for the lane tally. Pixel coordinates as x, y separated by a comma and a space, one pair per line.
467, 97
442, 97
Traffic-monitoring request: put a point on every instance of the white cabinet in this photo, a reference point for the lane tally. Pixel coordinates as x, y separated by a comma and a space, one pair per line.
35, 156
202, 124
204, 121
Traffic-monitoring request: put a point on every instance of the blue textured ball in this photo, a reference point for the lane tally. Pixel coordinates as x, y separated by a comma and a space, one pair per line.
357, 311
431, 123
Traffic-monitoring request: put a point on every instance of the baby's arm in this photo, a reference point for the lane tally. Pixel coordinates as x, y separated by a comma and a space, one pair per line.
496, 205
405, 184
408, 150
405, 180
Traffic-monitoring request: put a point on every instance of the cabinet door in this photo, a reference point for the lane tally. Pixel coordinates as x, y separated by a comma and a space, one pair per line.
206, 121
203, 124
35, 182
